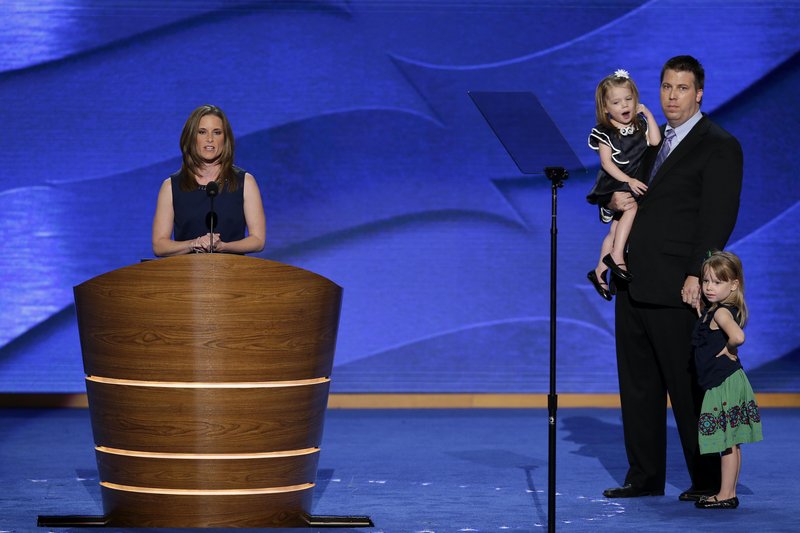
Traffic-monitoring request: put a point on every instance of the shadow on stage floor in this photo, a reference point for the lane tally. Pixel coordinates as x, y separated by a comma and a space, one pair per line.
437, 471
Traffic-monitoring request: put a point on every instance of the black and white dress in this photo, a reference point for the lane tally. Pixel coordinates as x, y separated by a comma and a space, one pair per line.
627, 152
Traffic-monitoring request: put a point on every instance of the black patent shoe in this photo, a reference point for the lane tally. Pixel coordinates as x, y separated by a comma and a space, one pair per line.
622, 274
714, 503
630, 491
598, 284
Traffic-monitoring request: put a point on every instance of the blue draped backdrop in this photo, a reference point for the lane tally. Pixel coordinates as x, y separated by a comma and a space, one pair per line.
377, 170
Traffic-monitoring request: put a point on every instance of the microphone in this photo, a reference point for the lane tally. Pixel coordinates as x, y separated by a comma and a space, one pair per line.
212, 189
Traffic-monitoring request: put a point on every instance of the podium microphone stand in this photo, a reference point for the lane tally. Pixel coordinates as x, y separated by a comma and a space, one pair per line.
531, 138
212, 189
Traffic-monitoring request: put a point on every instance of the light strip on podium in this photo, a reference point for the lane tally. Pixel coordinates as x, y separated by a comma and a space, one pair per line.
207, 492
166, 455
209, 384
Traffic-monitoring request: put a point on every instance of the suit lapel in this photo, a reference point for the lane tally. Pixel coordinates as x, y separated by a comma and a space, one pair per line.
684, 148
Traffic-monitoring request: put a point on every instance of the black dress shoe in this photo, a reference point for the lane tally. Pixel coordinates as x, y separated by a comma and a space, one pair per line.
714, 503
624, 275
629, 491
693, 494
598, 284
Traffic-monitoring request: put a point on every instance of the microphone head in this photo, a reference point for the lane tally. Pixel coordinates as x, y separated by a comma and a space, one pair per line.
212, 189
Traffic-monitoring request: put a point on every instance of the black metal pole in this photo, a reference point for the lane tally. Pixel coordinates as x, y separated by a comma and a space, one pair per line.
212, 225
556, 175
212, 189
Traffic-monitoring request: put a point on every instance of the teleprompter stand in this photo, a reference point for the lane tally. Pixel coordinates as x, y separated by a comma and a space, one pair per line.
532, 140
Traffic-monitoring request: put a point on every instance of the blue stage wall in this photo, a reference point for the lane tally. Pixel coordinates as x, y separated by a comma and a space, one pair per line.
377, 170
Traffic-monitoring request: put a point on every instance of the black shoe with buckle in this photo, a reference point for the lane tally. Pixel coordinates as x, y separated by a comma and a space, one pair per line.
714, 503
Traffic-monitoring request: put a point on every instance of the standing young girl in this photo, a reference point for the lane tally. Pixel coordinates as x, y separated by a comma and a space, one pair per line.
729, 416
624, 130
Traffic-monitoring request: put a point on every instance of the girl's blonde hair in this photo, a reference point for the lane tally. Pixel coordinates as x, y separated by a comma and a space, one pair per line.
615, 80
728, 267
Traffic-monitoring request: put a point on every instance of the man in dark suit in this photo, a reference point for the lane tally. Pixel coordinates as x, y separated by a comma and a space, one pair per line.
690, 207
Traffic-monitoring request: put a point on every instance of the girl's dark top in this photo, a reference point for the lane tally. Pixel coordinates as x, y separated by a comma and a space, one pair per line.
191, 208
627, 152
707, 342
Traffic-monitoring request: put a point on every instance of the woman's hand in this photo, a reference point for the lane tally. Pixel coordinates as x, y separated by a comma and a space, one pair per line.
203, 243
219, 244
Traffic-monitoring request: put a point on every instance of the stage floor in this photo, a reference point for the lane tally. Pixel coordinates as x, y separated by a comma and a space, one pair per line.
437, 471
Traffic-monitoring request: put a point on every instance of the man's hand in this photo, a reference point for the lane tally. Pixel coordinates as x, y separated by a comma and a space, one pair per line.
621, 201
690, 293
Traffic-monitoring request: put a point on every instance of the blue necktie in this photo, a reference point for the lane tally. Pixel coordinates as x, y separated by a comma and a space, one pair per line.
663, 152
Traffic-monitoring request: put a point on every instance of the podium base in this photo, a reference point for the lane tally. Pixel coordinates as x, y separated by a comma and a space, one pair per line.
102, 521
72, 521
337, 521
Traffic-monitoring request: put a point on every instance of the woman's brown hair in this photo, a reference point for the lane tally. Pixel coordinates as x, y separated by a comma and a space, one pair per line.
191, 160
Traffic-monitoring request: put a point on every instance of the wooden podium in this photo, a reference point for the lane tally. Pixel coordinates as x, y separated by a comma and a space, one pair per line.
207, 377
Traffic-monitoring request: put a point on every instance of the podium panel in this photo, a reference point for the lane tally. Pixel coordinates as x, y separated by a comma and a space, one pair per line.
217, 510
207, 378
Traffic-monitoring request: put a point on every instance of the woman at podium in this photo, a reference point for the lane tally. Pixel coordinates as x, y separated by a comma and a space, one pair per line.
209, 205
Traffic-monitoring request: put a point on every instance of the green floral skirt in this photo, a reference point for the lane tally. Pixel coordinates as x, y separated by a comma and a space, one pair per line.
729, 415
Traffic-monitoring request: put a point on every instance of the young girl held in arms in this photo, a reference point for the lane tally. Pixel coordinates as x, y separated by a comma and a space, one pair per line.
624, 130
729, 416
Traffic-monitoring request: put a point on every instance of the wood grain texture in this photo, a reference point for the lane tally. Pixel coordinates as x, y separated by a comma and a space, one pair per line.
130, 509
211, 355
197, 420
208, 317
207, 473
